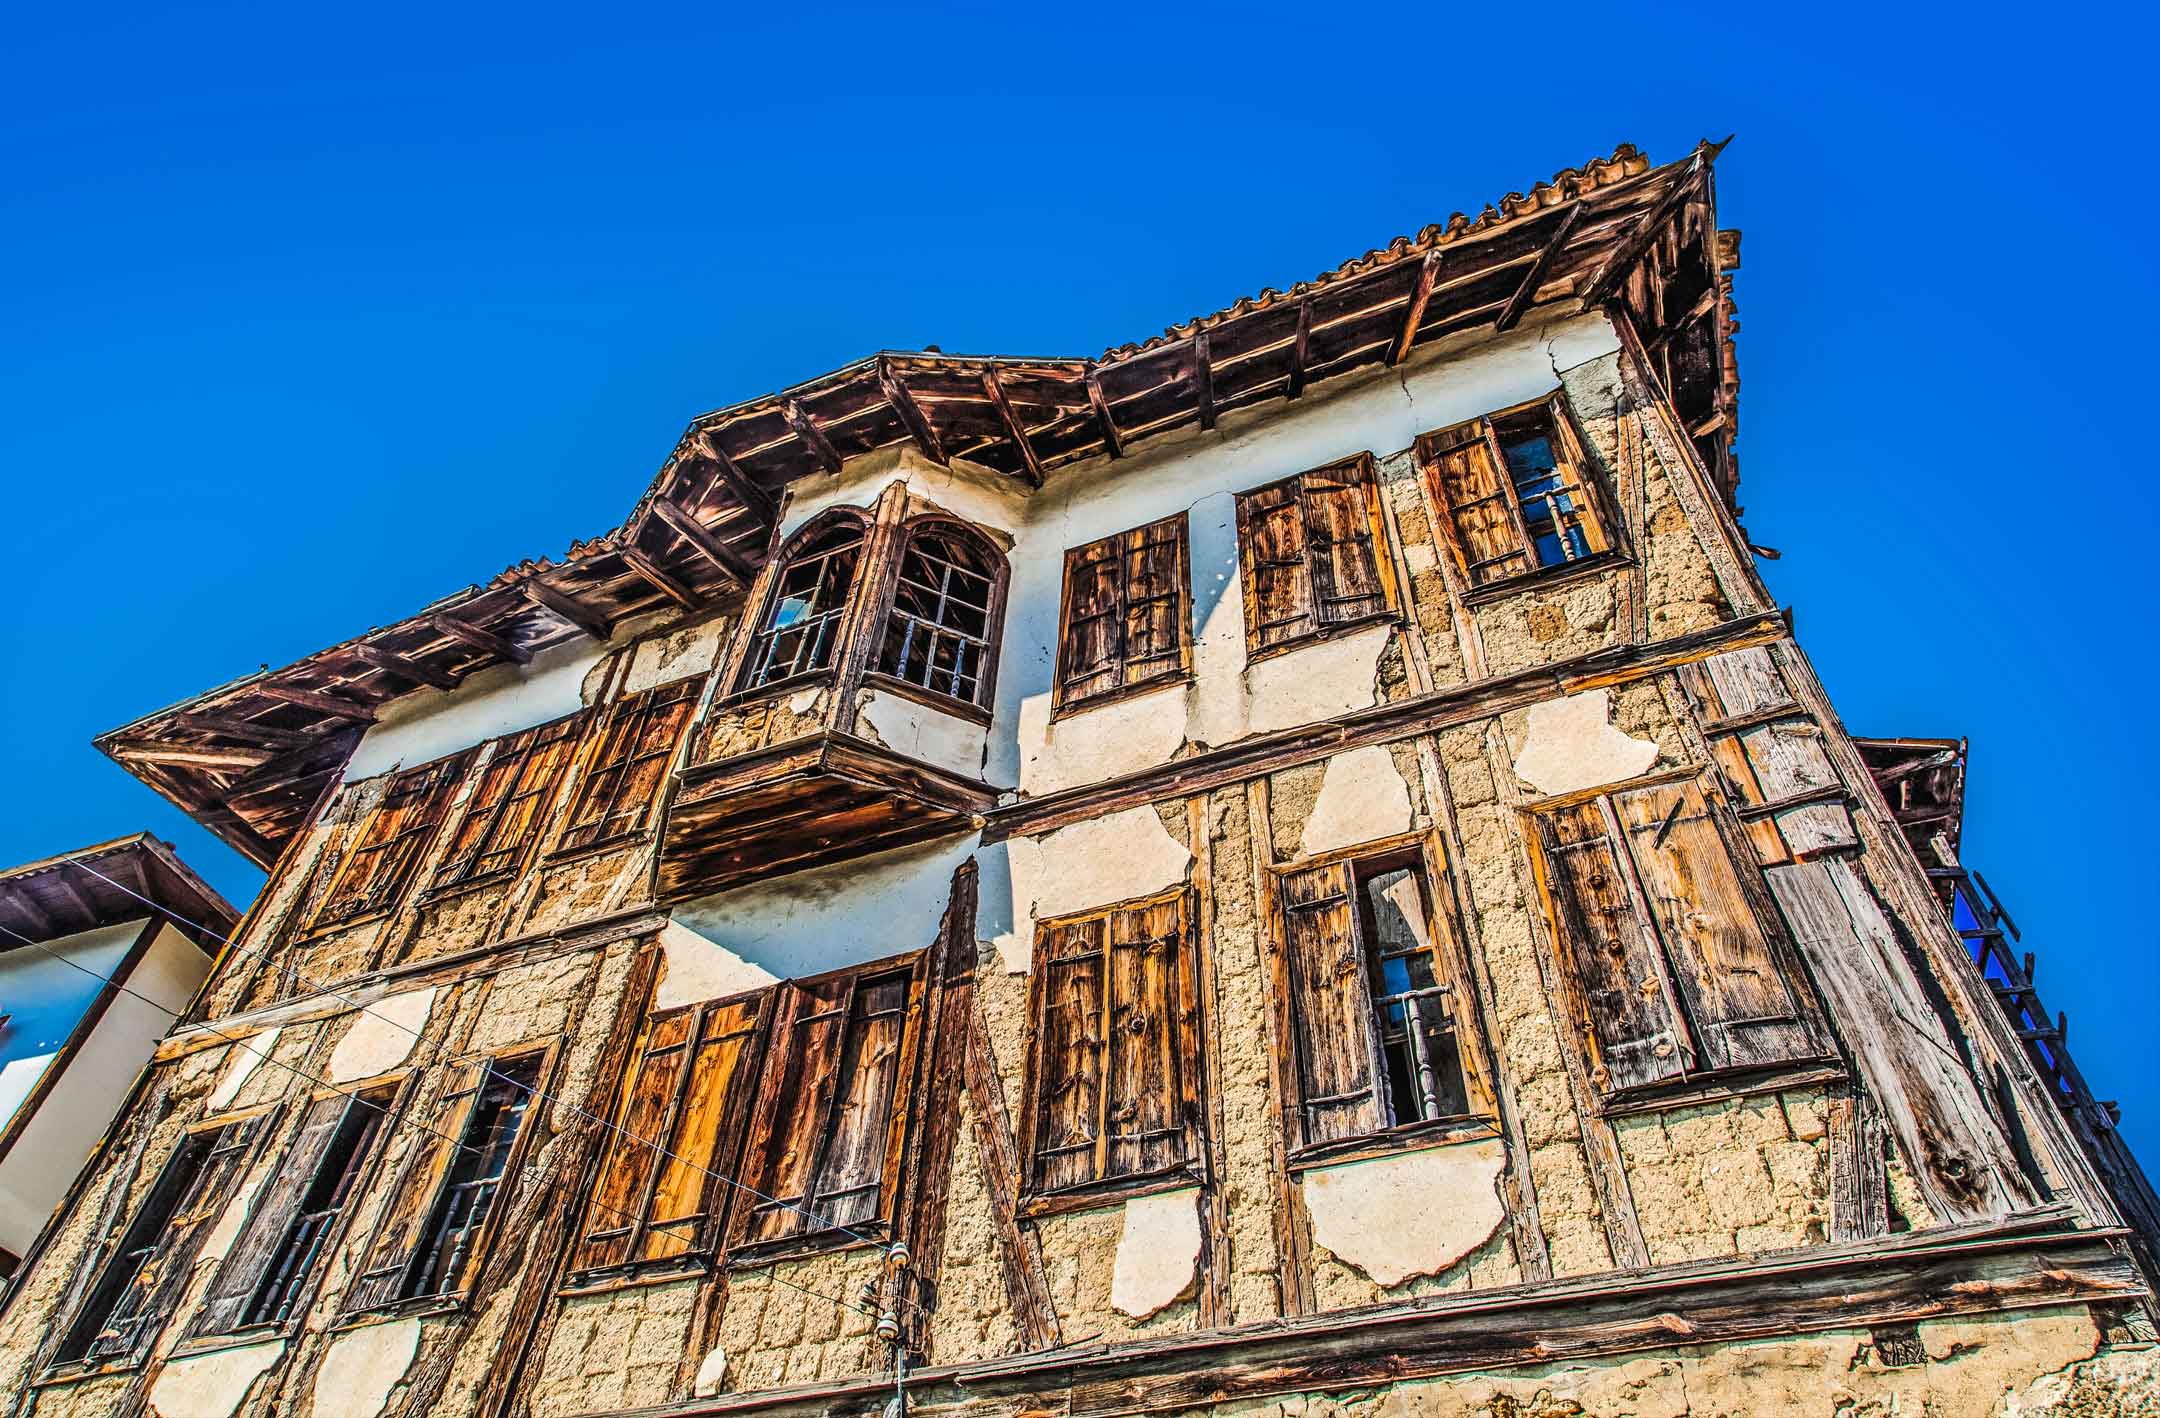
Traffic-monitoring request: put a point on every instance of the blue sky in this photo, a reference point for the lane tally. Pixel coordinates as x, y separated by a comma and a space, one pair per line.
314, 315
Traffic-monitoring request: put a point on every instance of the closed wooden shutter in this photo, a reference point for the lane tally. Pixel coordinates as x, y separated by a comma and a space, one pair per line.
1338, 1052
375, 872
686, 1199
1068, 968
1278, 575
1480, 523
504, 813
848, 1183
1738, 996
271, 1219
1150, 1042
1343, 538
1091, 650
619, 789
1634, 1022
1126, 620
1575, 472
405, 1211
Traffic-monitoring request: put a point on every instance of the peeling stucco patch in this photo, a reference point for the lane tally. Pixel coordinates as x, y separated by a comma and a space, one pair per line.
920, 732
1097, 863
247, 1056
1158, 1254
802, 701
382, 1036
1414, 1213
711, 1374
361, 1368
230, 1221
211, 1385
699, 969
1102, 741
1570, 744
1324, 680
1363, 798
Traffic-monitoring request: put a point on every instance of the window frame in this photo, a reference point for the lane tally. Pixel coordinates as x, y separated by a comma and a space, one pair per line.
577, 836
1573, 462
1359, 470
778, 1056
1187, 1091
1769, 923
744, 686
450, 878
446, 778
1423, 853
993, 618
1121, 547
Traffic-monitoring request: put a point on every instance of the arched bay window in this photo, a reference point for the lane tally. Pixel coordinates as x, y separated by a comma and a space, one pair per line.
940, 629
807, 609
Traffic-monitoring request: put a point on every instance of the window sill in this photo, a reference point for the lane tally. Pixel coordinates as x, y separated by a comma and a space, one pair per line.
419, 1307
1254, 655
636, 1275
1723, 1087
1115, 1192
1072, 708
345, 926
76, 1370
928, 698
597, 847
451, 891
231, 1339
771, 689
757, 1255
1416, 1137
1566, 573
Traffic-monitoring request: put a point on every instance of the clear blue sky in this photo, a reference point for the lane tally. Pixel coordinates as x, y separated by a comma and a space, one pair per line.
315, 314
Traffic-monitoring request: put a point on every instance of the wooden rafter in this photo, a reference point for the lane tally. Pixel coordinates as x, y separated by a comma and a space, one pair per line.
192, 755
481, 638
1298, 350
63, 883
316, 700
1203, 377
703, 542
749, 494
1519, 302
813, 437
242, 729
41, 924
403, 666
903, 401
1645, 232
566, 606
1113, 444
657, 577
1428, 273
995, 388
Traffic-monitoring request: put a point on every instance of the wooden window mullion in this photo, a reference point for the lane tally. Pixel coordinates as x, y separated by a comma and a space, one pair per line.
1660, 955
1506, 476
1106, 1051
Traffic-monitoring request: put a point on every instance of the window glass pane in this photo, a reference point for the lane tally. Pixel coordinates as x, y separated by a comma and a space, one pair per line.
475, 1177
1415, 1009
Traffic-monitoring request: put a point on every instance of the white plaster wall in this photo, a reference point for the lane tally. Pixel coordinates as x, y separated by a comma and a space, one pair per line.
976, 494
74, 1115
425, 725
925, 734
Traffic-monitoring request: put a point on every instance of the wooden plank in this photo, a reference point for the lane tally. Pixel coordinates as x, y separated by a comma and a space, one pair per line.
567, 607
1300, 349
316, 700
1027, 1284
1519, 302
995, 388
811, 435
481, 638
911, 415
1203, 377
403, 666
1645, 231
655, 576
1112, 444
1420, 297
245, 729
1293, 1226
191, 755
704, 543
755, 500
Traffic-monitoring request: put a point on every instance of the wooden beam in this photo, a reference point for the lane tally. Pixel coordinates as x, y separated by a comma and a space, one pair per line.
318, 701
63, 883
704, 543
1527, 291
568, 607
1645, 232
995, 388
749, 494
481, 638
1420, 297
903, 401
1203, 380
1111, 442
1298, 350
403, 666
41, 922
653, 575
812, 436
191, 755
243, 729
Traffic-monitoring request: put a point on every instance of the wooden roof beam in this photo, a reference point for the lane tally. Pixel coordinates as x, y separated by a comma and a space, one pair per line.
903, 401
1420, 297
1519, 302
1299, 349
481, 638
1111, 442
1646, 231
995, 388
812, 436
703, 542
41, 924
403, 666
64, 884
242, 729
1203, 379
318, 701
655, 576
192, 755
758, 501
566, 607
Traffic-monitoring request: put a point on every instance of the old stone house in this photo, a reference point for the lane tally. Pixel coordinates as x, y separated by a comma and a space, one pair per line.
1294, 864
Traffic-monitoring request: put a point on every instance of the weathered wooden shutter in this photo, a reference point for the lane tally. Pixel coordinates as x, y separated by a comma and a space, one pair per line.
1278, 575
1481, 527
503, 814
1149, 1045
802, 1079
1582, 488
377, 869
1343, 541
1068, 1070
1091, 649
1738, 995
635, 750
1634, 1021
1340, 1071
271, 1218
405, 1211
847, 1188
1157, 585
